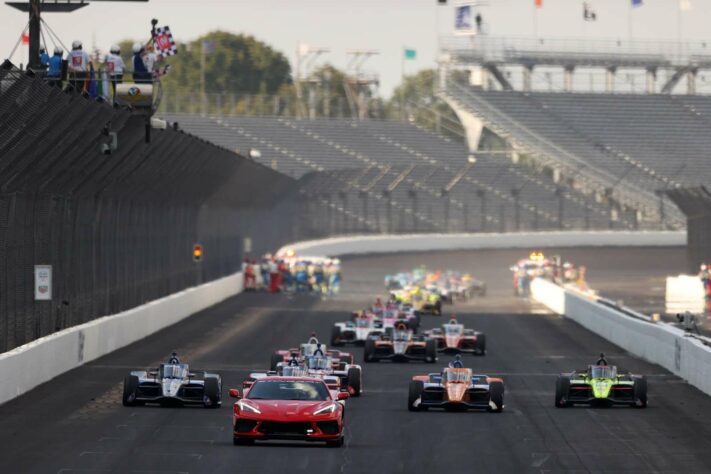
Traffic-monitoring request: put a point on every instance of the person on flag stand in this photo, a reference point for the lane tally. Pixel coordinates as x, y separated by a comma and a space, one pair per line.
79, 63
44, 57
114, 66
54, 73
141, 75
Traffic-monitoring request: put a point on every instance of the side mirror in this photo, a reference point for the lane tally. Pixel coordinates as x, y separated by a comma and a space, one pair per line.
234, 393
342, 395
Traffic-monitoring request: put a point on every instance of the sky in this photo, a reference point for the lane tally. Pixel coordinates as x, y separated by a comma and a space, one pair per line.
383, 25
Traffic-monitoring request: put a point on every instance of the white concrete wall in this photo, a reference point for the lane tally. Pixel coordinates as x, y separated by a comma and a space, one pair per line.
660, 343
370, 244
41, 360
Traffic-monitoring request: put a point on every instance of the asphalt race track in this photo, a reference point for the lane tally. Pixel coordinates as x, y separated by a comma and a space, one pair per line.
76, 423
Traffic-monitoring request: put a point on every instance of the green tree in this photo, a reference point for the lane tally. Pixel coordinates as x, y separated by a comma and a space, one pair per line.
415, 100
235, 64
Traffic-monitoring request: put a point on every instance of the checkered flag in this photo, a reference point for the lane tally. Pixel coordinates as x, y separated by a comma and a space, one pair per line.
164, 43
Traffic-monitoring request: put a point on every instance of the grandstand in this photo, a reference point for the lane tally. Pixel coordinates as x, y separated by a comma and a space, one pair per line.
381, 176
570, 159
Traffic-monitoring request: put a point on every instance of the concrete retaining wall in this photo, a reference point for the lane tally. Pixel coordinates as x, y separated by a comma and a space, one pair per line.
659, 343
41, 360
369, 244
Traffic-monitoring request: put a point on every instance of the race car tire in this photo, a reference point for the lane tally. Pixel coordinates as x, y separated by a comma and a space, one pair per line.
242, 441
130, 385
438, 308
336, 336
640, 392
212, 391
369, 351
276, 358
431, 351
496, 395
336, 443
481, 344
354, 381
416, 389
562, 387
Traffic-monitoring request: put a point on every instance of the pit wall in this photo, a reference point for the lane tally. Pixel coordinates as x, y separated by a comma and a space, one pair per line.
43, 359
370, 244
659, 343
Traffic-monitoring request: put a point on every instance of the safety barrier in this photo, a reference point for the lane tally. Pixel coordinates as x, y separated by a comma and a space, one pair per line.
355, 245
660, 343
41, 360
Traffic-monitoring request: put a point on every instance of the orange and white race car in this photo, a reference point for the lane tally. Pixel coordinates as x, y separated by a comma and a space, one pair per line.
454, 338
400, 344
456, 388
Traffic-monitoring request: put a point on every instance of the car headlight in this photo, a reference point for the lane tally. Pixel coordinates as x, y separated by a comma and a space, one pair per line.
327, 409
247, 407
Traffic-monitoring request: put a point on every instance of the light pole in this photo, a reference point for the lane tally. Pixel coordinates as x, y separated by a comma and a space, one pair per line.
559, 191
482, 201
515, 193
444, 194
413, 197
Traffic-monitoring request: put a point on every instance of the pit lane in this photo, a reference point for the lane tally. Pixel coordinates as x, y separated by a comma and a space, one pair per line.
76, 423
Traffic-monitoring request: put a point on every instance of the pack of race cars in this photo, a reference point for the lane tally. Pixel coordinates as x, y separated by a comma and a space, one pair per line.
302, 395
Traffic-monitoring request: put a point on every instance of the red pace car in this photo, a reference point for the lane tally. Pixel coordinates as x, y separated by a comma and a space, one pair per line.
454, 338
288, 408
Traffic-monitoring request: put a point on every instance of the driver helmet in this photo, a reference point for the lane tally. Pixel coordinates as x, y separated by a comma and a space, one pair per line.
174, 358
115, 49
58, 50
76, 44
137, 48
457, 363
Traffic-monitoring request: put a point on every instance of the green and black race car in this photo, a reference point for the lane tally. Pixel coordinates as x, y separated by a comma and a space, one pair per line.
600, 385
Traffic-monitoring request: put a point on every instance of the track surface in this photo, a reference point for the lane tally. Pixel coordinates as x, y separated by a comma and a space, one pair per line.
76, 423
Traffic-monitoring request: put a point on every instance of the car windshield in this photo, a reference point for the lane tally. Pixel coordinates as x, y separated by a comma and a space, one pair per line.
602, 372
453, 329
316, 363
173, 371
458, 376
363, 322
289, 390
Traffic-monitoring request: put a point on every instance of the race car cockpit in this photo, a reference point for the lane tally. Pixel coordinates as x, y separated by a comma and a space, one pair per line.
457, 375
173, 371
315, 362
453, 329
401, 333
293, 371
602, 371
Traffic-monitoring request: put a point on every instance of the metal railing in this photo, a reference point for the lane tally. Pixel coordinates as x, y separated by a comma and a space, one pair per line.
575, 51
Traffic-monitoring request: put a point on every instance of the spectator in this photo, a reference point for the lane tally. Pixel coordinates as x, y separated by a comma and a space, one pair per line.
54, 73
478, 20
140, 72
114, 67
79, 61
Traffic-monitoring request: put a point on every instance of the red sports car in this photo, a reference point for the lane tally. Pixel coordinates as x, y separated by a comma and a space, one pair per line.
288, 408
